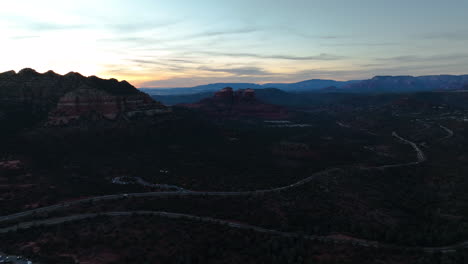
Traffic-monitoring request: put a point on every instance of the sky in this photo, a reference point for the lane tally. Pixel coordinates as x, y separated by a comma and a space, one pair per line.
183, 43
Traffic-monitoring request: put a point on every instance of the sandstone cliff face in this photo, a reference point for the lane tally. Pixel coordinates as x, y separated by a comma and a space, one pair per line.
73, 96
44, 90
231, 104
102, 105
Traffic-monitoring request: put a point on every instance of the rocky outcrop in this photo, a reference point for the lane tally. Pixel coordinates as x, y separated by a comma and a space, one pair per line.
11, 165
228, 94
43, 91
73, 96
102, 105
230, 104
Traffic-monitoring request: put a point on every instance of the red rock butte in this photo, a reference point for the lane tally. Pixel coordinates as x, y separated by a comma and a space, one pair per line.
230, 104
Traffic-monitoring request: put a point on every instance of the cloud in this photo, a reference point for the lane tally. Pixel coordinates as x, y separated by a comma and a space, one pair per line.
241, 71
322, 56
301, 33
141, 26
96, 23
454, 35
222, 32
48, 26
162, 42
180, 65
433, 58
183, 61
341, 74
364, 44
383, 69
30, 24
23, 37
163, 64
126, 39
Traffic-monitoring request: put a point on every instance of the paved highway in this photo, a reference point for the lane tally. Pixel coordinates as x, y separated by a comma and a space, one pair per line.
449, 132
4, 258
187, 193
236, 225
60, 220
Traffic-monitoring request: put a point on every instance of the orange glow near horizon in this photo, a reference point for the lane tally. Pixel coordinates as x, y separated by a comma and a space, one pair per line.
174, 44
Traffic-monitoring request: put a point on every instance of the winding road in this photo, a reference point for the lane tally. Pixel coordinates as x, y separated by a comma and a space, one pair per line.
60, 220
187, 193
419, 153
449, 132
140, 181
420, 156
236, 225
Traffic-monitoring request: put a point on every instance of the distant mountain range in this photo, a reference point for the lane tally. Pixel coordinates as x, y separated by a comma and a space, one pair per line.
308, 85
268, 95
378, 84
408, 83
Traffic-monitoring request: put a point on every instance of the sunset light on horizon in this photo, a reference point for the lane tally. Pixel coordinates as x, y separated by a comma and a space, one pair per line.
185, 43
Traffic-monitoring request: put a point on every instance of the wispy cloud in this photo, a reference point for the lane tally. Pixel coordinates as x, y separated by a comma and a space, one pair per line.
183, 61
40, 26
140, 26
164, 64
322, 56
23, 37
450, 35
433, 58
216, 33
35, 25
240, 71
325, 73
171, 40
363, 44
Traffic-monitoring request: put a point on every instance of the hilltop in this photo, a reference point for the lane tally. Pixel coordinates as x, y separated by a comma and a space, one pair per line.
63, 98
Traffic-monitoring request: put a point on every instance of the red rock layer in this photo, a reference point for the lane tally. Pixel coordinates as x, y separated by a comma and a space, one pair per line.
85, 102
231, 104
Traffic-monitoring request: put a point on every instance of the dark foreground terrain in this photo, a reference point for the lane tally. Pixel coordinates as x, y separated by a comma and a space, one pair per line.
93, 171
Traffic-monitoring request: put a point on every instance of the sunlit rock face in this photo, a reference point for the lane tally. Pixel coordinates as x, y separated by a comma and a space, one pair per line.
102, 105
226, 93
230, 104
76, 104
44, 90
73, 96
239, 95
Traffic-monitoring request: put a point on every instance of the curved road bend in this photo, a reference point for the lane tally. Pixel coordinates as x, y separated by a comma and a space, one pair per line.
162, 194
187, 193
326, 239
140, 181
359, 242
419, 153
420, 156
60, 220
449, 131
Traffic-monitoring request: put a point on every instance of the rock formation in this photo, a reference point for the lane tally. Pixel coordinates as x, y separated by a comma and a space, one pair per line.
73, 96
230, 104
